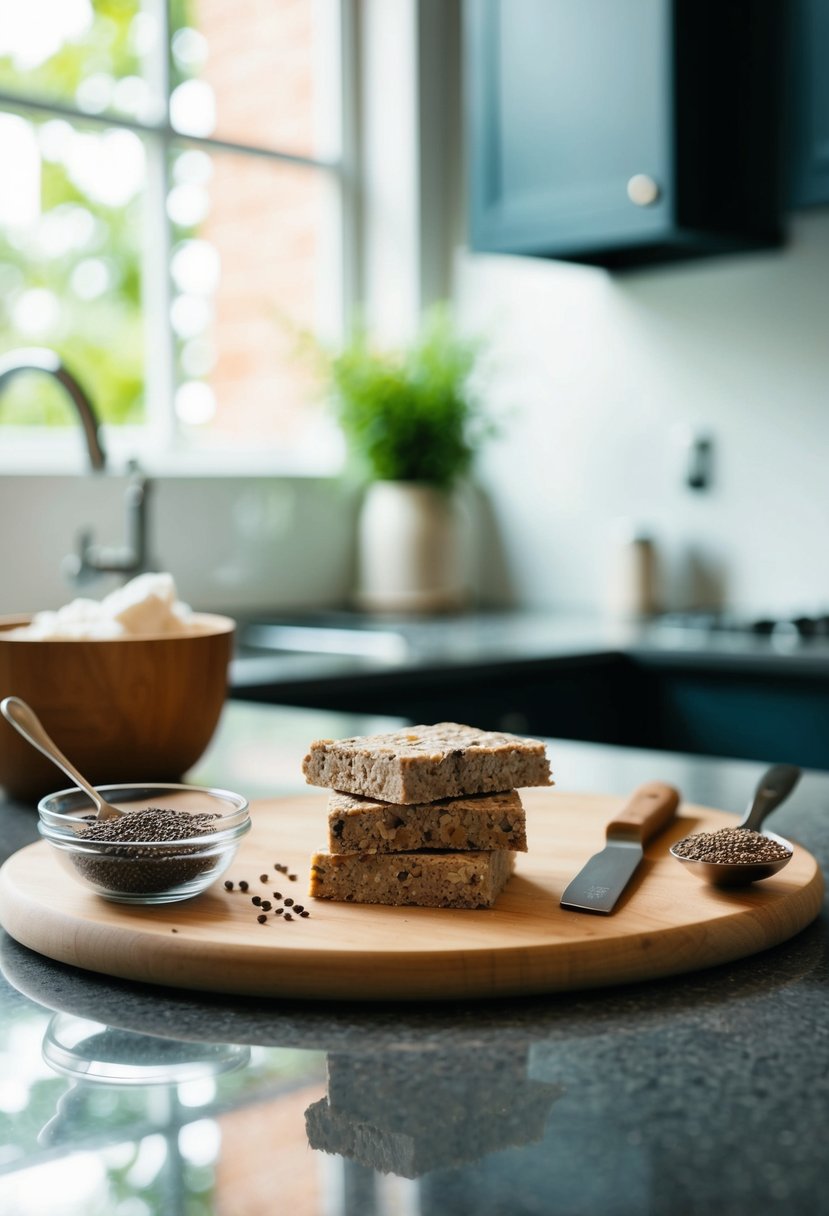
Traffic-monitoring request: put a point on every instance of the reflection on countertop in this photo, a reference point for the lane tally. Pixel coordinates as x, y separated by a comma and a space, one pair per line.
411, 1112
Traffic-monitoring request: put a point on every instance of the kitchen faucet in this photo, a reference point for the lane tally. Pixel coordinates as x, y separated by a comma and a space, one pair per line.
91, 559
39, 359
128, 559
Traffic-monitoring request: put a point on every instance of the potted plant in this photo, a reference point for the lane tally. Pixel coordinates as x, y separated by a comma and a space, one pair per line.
412, 424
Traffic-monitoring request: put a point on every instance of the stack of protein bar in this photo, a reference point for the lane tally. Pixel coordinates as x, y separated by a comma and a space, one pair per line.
428, 815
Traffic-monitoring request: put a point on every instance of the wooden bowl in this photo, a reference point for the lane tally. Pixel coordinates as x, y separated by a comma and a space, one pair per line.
132, 709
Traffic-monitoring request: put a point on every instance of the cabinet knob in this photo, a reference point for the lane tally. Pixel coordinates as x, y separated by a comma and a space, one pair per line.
643, 190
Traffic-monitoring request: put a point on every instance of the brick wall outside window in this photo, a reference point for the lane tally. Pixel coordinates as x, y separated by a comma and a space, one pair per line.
264, 216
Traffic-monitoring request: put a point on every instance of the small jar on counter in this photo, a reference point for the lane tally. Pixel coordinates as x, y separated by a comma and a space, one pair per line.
632, 590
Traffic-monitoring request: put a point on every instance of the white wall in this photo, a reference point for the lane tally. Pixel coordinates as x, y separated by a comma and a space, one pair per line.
232, 543
605, 373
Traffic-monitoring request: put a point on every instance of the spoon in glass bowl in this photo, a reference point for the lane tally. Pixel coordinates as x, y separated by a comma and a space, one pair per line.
26, 722
774, 786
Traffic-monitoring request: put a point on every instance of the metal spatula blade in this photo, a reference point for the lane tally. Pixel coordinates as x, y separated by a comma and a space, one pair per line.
602, 879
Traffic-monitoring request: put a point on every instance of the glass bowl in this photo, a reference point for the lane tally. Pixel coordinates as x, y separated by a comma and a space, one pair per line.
146, 871
94, 1053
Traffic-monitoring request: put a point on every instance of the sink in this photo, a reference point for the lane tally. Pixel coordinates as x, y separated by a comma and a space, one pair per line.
383, 644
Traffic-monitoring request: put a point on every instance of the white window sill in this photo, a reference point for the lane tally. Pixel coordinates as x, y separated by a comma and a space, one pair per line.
48, 454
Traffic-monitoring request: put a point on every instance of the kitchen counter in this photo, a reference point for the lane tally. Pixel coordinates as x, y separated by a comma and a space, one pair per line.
656, 684
339, 644
699, 1094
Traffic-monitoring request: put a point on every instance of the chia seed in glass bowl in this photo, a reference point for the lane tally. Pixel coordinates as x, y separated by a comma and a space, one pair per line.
172, 843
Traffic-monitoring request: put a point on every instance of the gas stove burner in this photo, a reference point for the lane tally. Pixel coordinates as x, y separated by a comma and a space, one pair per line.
763, 626
812, 626
795, 626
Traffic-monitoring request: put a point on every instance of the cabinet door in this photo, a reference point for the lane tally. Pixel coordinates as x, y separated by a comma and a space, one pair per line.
569, 102
809, 87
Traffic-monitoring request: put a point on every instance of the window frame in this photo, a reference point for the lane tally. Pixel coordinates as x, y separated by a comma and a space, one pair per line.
157, 440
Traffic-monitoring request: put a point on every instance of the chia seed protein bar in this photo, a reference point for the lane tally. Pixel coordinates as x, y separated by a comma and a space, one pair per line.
429, 880
422, 764
477, 822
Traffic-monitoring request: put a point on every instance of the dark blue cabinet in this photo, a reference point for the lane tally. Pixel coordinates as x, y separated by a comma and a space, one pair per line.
623, 131
809, 100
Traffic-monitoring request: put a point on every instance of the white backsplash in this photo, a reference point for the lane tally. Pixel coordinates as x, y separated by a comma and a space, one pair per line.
232, 544
603, 377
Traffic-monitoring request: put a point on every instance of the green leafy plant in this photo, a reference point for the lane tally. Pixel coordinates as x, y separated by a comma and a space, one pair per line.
411, 415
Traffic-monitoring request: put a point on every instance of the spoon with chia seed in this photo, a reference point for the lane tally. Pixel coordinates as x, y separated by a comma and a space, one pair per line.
734, 857
26, 722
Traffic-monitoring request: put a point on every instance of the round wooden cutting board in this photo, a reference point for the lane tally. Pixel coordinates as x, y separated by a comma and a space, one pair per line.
666, 922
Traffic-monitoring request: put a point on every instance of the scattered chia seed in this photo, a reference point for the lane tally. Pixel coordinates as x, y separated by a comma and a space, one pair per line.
256, 900
292, 877
266, 905
151, 867
304, 913
228, 885
298, 908
289, 903
279, 911
243, 886
277, 894
287, 916
261, 919
263, 878
731, 845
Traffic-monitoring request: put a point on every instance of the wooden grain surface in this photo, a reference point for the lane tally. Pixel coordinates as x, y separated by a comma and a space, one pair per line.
667, 921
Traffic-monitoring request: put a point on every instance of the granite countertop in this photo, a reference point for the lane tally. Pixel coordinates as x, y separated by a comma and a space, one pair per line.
697, 1094
333, 646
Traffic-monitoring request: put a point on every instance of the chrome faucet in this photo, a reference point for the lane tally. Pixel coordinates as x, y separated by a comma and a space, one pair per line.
129, 559
40, 359
91, 560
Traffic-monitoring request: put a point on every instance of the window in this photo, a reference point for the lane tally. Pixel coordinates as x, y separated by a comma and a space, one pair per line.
175, 219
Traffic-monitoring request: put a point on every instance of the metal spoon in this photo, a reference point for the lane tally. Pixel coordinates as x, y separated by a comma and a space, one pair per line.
774, 786
26, 722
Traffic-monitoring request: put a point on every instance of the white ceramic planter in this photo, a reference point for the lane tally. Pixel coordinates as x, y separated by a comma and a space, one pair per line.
409, 550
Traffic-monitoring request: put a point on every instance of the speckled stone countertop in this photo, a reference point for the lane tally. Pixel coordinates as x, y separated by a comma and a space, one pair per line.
700, 1094
333, 645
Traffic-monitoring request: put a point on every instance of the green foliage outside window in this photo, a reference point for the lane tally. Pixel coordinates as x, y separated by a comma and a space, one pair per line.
108, 46
88, 289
